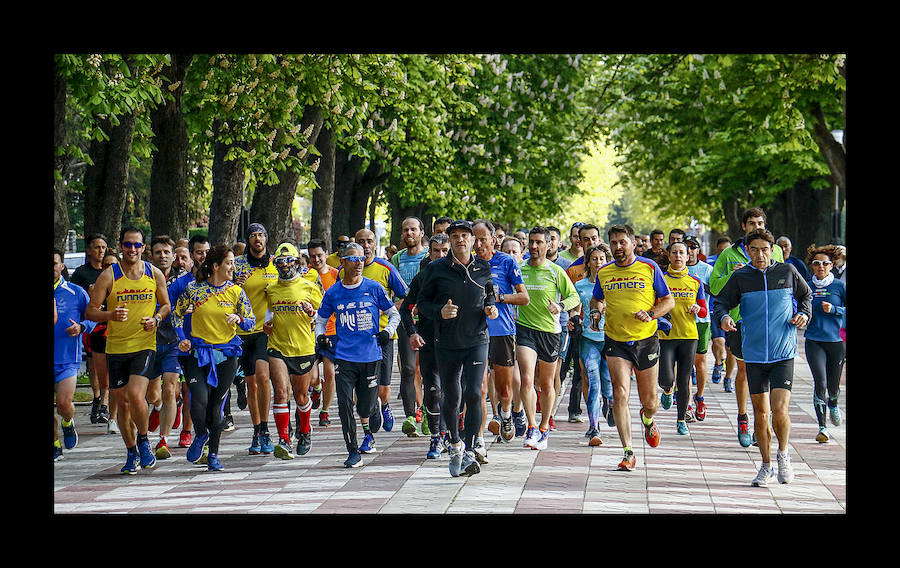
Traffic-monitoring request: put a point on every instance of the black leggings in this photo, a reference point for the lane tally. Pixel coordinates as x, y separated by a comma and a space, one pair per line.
826, 362
407, 359
431, 391
207, 401
462, 374
360, 378
680, 353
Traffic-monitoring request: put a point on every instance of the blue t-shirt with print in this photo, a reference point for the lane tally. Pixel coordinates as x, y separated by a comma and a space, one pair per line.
357, 310
506, 274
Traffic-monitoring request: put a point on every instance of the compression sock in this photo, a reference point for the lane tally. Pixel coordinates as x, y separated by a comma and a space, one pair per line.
141, 438
645, 420
628, 450
305, 411
282, 414
67, 423
366, 429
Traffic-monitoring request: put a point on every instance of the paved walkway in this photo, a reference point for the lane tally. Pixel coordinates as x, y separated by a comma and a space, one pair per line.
706, 472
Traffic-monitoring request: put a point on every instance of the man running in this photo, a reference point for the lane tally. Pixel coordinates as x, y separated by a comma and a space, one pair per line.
734, 258
701, 271
774, 300
632, 293
538, 332
357, 303
328, 275
132, 290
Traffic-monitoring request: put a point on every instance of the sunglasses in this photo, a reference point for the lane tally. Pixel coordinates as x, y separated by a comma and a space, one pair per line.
129, 245
285, 260
821, 263
355, 258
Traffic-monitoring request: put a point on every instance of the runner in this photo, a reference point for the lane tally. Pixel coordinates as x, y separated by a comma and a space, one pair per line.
825, 350
292, 300
458, 295
538, 334
575, 250
678, 346
513, 248
97, 339
407, 263
774, 300
564, 359
70, 323
701, 271
355, 301
254, 271
632, 293
219, 306
328, 275
716, 335
731, 259
599, 386
131, 290
421, 340
334, 259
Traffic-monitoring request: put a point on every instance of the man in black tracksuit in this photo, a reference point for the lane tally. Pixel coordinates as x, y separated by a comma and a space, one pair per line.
457, 294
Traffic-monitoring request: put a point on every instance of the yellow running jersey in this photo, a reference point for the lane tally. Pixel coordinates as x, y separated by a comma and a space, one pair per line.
292, 329
139, 296
687, 291
258, 278
626, 290
211, 306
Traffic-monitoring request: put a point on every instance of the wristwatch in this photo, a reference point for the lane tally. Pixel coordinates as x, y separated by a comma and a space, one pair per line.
500, 298
650, 313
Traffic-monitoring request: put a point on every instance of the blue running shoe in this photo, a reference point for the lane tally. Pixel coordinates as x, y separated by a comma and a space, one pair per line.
265, 443
744, 437
132, 463
387, 418
520, 423
682, 428
434, 450
368, 445
213, 463
148, 458
717, 373
70, 436
355, 460
834, 412
304, 443
665, 400
57, 452
195, 452
728, 385
255, 448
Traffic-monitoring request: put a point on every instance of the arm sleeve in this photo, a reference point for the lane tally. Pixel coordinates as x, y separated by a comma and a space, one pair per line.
393, 320
321, 325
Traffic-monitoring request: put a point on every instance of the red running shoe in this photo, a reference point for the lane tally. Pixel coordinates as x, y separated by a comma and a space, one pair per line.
651, 432
538, 406
419, 414
177, 424
153, 421
162, 450
184, 441
552, 424
700, 411
628, 462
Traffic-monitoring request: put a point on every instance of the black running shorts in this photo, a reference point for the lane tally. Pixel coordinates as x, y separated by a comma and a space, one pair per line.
643, 353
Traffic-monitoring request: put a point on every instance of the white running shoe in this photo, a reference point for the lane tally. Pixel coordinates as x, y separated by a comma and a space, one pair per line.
785, 469
112, 427
823, 435
766, 473
531, 437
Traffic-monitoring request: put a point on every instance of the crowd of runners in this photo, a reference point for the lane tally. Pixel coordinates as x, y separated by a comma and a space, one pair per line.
485, 326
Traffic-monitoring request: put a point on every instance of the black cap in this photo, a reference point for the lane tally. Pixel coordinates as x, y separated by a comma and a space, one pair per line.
460, 224
692, 240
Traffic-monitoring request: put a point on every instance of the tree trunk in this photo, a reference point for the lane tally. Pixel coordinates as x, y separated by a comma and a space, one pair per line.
832, 151
353, 187
169, 172
227, 198
803, 214
272, 204
323, 199
60, 210
106, 181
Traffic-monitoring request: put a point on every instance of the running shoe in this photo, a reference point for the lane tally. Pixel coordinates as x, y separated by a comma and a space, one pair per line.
462, 423
179, 406
316, 398
57, 452
552, 424
541, 442
823, 436
480, 451
446, 443
765, 475
376, 418
265, 443
354, 460
103, 417
283, 450
426, 431
531, 437
729, 386
213, 463
387, 418
456, 457
162, 450
184, 439
196, 450
229, 424
682, 428
95, 410
255, 448
494, 425
419, 414
241, 388
112, 427
700, 412
132, 463
651, 432
507, 429
665, 400
70, 435
148, 460
785, 469
689, 414
434, 450
153, 420
628, 462
368, 445
520, 423
304, 442
610, 419
576, 419
409, 427
694, 376
469, 464
323, 419
716, 373
834, 412
203, 456
538, 404
594, 438
744, 432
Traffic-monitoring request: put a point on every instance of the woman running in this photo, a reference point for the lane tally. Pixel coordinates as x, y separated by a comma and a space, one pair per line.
591, 348
219, 305
678, 347
824, 345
